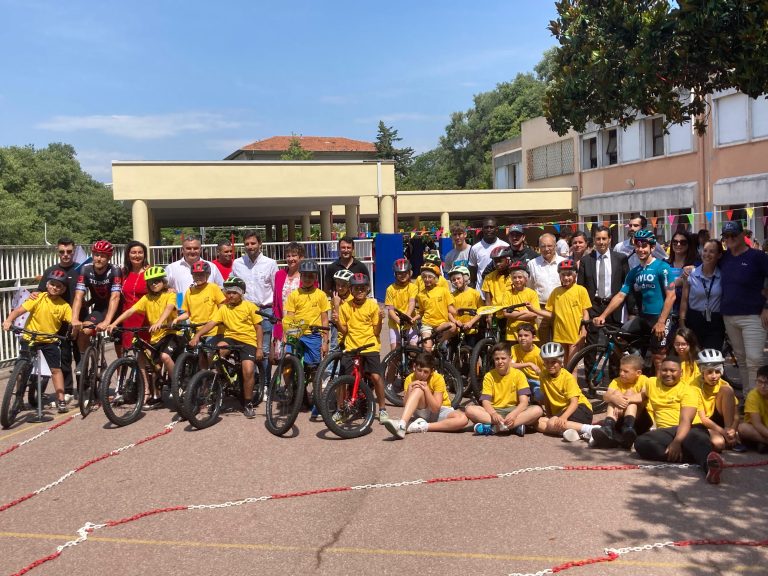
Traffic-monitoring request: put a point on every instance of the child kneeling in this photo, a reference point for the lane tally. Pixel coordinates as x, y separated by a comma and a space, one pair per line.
426, 397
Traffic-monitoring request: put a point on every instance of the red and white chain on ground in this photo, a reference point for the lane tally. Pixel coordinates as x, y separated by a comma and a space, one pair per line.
10, 449
166, 430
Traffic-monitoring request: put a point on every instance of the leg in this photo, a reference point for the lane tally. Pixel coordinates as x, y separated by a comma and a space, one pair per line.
749, 433
248, 367
58, 382
736, 337
529, 416
697, 446
718, 442
454, 422
378, 386
414, 400
754, 345
653, 445
477, 414
66, 366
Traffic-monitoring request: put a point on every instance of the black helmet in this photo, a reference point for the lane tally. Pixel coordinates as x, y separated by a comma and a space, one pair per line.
309, 267
234, 282
360, 279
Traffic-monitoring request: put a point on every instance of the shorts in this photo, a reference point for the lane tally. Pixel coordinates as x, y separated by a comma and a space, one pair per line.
537, 396
582, 415
312, 344
430, 416
426, 330
394, 336
51, 352
503, 412
95, 316
171, 344
246, 351
644, 325
370, 363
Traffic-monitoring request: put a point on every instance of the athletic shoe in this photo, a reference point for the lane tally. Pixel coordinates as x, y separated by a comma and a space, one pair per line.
603, 438
68, 398
396, 428
715, 465
519, 430
739, 448
383, 416
314, 414
628, 437
62, 407
248, 411
418, 425
570, 435
484, 429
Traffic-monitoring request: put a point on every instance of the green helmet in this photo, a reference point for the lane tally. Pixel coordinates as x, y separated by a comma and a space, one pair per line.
234, 282
153, 273
645, 236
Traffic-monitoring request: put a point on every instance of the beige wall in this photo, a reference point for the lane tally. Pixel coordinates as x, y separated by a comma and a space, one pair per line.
740, 160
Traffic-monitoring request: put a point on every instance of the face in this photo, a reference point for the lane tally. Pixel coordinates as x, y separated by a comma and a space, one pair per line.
733, 240
191, 250
233, 298
402, 277
525, 339
199, 278
430, 280
633, 226
710, 254
679, 244
579, 245
225, 254
66, 254
490, 230
670, 373
643, 250
459, 238
501, 362
55, 288
458, 281
136, 256
422, 373
681, 346
345, 250
567, 278
307, 279
100, 260
516, 240
502, 264
547, 247
553, 365
156, 285
342, 288
711, 376
761, 383
292, 258
360, 293
628, 374
602, 242
519, 280
252, 246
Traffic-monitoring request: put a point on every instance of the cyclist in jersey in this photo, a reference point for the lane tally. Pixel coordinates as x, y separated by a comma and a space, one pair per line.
651, 279
102, 282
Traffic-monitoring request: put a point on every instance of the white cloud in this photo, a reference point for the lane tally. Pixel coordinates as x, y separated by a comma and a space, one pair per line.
402, 117
98, 163
147, 127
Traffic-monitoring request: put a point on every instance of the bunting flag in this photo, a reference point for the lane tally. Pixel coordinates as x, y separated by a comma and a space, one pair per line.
671, 218
588, 225
729, 213
709, 216
750, 212
557, 227
574, 227
80, 258
19, 297
613, 225
690, 218
654, 219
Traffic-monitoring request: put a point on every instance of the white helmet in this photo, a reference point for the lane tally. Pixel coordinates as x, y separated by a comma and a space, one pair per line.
552, 350
711, 356
343, 275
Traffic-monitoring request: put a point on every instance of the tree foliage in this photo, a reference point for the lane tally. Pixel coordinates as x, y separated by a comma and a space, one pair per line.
386, 137
618, 58
48, 187
296, 150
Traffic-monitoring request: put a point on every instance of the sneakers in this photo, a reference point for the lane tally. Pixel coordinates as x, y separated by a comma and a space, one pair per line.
248, 410
483, 429
628, 437
383, 416
715, 465
152, 403
314, 413
739, 448
395, 427
603, 437
571, 435
69, 398
61, 405
519, 430
418, 425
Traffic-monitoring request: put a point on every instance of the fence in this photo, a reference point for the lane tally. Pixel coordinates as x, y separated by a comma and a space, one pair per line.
27, 264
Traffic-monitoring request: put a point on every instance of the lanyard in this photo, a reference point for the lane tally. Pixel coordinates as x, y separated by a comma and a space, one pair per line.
708, 292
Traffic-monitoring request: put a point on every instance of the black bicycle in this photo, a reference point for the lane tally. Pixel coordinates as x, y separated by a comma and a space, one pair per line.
94, 364
187, 365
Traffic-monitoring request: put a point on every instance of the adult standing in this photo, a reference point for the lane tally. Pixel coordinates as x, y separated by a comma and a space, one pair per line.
179, 273
701, 296
414, 251
287, 280
745, 310
225, 255
519, 251
627, 247
543, 277
480, 252
459, 255
579, 247
563, 246
345, 261
133, 288
683, 258
259, 272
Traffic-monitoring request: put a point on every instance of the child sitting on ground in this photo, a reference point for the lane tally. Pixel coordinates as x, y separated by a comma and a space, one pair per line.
505, 399
754, 430
526, 356
717, 408
427, 398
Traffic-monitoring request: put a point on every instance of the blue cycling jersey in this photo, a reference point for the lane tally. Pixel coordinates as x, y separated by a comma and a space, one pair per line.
652, 282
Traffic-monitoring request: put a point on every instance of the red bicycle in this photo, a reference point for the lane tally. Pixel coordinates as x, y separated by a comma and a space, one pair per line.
348, 405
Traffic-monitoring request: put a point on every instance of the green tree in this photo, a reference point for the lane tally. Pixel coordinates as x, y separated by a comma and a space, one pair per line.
621, 58
296, 151
386, 137
431, 170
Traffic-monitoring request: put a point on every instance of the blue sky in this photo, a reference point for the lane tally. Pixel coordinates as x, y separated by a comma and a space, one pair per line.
193, 80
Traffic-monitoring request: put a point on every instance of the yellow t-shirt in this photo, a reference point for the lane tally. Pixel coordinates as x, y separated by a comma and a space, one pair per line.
153, 306
398, 297
520, 356
638, 386
568, 305
525, 295
46, 314
441, 282
757, 404
436, 384
708, 395
239, 321
202, 301
690, 371
467, 298
497, 286
665, 402
504, 391
434, 305
360, 321
307, 305
559, 390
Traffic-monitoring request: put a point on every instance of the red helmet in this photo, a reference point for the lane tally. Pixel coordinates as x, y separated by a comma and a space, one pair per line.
103, 247
500, 252
201, 266
359, 279
401, 265
566, 266
58, 275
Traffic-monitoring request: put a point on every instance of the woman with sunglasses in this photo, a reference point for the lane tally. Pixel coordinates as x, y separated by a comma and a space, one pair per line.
683, 258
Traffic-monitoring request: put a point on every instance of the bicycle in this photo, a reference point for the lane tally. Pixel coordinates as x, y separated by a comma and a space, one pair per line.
459, 352
26, 367
348, 405
94, 363
327, 371
187, 365
204, 396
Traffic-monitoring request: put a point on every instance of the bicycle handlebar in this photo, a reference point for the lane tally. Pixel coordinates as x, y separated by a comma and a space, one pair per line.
357, 351
467, 312
18, 330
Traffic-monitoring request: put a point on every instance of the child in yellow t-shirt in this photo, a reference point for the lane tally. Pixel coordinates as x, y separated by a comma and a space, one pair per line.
341, 293
717, 408
465, 298
433, 260
400, 295
526, 356
309, 304
568, 412
436, 307
202, 298
159, 307
754, 430
624, 399
686, 346
47, 313
426, 397
520, 294
505, 399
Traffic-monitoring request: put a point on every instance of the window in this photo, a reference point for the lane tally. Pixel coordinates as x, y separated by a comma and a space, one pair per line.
630, 143
610, 142
732, 119
501, 177
550, 160
680, 138
759, 117
589, 153
654, 137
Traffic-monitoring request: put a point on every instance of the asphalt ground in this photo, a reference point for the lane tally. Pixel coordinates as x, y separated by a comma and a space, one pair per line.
522, 523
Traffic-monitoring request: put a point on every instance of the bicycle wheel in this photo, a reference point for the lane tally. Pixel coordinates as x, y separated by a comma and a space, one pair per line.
183, 369
396, 371
13, 398
88, 383
462, 363
453, 382
327, 371
348, 417
286, 391
480, 363
593, 379
122, 391
203, 398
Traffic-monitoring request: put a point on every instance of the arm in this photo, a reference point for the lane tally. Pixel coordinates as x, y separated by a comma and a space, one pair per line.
675, 448
684, 303
669, 301
452, 313
203, 330
180, 318
326, 336
523, 401
377, 326
77, 305
119, 320
8, 322
757, 423
544, 313
114, 304
616, 398
259, 341
163, 317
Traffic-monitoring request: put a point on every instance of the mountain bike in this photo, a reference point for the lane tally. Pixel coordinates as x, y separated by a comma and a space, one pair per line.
348, 405
94, 363
187, 365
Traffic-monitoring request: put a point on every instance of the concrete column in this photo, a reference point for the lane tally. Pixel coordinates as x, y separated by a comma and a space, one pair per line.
445, 223
278, 232
140, 216
351, 221
306, 227
291, 229
416, 223
387, 214
325, 224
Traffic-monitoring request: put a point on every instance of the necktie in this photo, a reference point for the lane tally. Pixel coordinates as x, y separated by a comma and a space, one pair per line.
601, 276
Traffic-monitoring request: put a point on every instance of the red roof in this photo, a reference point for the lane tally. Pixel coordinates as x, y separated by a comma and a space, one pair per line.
312, 143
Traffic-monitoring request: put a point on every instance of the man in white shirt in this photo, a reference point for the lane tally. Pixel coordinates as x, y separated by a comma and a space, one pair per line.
179, 273
258, 271
628, 247
564, 244
480, 253
543, 278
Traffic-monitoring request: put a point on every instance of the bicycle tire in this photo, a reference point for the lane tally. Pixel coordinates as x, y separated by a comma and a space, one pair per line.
351, 419
480, 363
327, 371
595, 380
13, 398
122, 391
286, 392
203, 399
88, 383
185, 367
395, 373
462, 362
453, 383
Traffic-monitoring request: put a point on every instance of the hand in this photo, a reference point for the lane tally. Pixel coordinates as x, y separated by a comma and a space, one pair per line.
34, 295
324, 349
335, 316
509, 421
598, 320
155, 327
533, 367
101, 326
731, 437
582, 333
7, 325
674, 452
194, 342
496, 419
259, 354
658, 329
76, 326
622, 402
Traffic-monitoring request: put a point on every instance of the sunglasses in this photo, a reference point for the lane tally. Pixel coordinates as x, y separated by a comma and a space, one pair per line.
680, 242
66, 251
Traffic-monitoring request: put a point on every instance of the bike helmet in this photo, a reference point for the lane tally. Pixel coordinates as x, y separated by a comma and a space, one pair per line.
233, 283
500, 252
711, 356
431, 268
153, 273
645, 236
552, 350
360, 279
57, 275
518, 266
459, 270
401, 265
432, 259
309, 267
344, 275
566, 266
102, 247
201, 266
